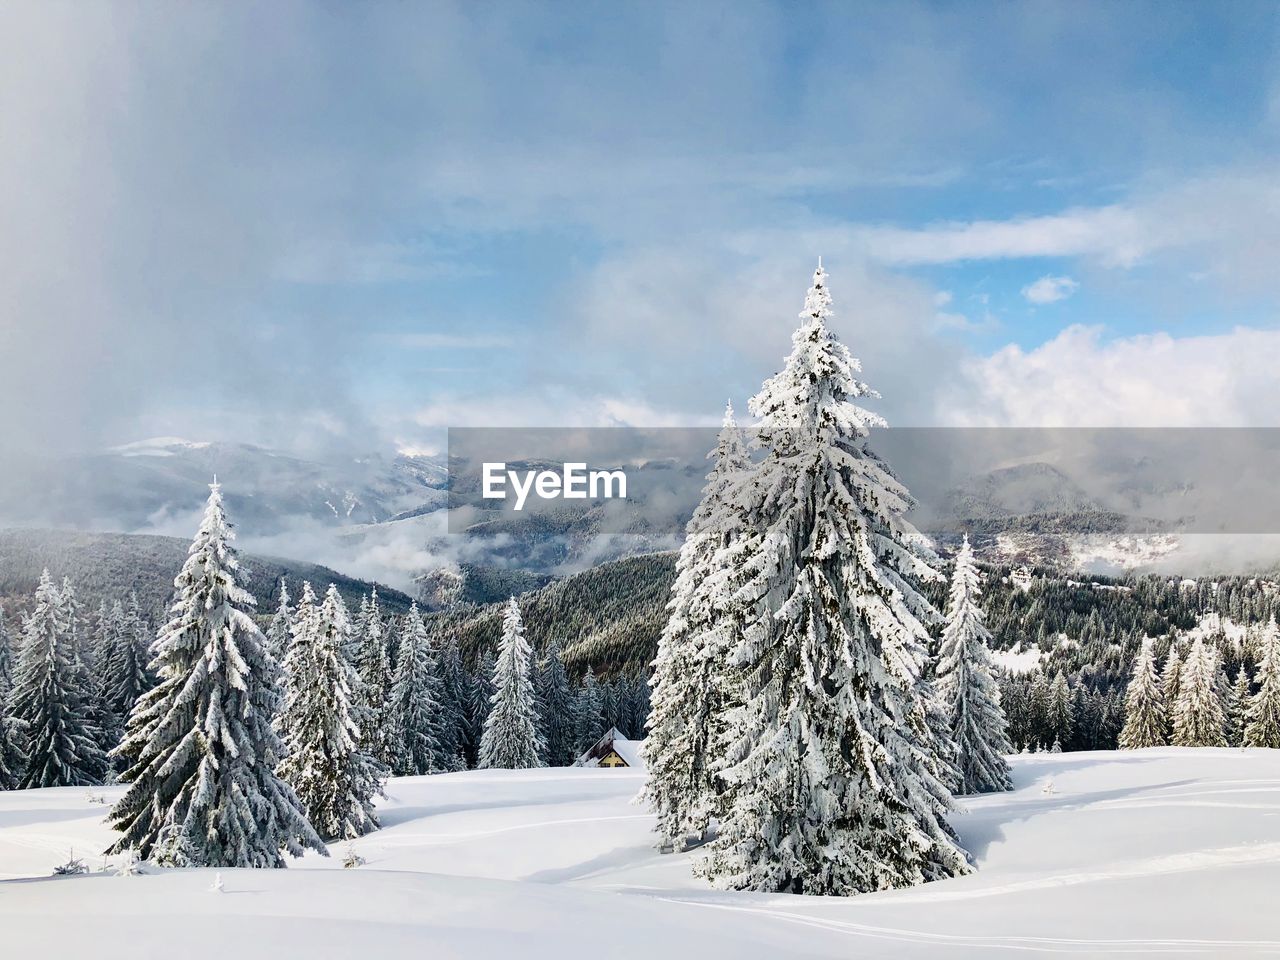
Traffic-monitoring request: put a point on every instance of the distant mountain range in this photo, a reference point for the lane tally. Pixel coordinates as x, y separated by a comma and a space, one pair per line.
157, 485
110, 566
382, 517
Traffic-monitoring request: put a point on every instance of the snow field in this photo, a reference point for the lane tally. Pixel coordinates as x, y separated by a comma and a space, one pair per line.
1151, 852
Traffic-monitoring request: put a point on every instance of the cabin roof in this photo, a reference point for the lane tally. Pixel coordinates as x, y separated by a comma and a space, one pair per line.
628, 750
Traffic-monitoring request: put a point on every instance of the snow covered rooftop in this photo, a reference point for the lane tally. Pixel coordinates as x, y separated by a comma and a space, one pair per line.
613, 742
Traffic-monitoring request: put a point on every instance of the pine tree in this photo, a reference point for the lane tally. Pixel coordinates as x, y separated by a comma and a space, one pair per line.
555, 706
12, 759
6, 657
588, 715
201, 754
452, 685
1169, 679
1197, 713
609, 703
50, 701
1262, 724
126, 664
831, 770
374, 666
415, 702
1232, 714
640, 707
511, 739
107, 637
1241, 695
1146, 719
90, 679
280, 630
690, 670
978, 725
1041, 694
334, 778
479, 692
1059, 711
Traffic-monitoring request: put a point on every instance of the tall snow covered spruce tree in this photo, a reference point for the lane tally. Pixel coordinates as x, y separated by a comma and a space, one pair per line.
1262, 719
833, 782
1241, 698
1170, 677
966, 684
50, 699
1146, 721
200, 752
414, 711
373, 663
512, 737
334, 778
280, 630
1232, 719
689, 671
126, 660
1198, 720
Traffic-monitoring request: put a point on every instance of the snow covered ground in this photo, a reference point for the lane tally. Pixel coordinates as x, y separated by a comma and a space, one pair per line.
1163, 851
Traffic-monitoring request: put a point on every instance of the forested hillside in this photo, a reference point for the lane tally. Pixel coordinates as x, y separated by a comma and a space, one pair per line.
608, 617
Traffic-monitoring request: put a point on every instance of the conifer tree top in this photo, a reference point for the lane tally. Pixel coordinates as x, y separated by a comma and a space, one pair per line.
816, 384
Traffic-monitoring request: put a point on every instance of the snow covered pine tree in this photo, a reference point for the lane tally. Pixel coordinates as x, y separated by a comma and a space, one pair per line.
1145, 718
1197, 714
690, 669
281, 627
126, 661
832, 784
414, 711
978, 724
12, 759
200, 750
373, 663
512, 739
50, 700
1262, 725
1241, 698
1170, 677
334, 778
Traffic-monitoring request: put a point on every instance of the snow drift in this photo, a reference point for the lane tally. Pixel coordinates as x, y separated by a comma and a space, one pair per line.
1093, 854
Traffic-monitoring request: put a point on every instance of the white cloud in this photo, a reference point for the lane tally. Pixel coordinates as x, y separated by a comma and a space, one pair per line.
1078, 379
1050, 289
441, 341
551, 406
1116, 235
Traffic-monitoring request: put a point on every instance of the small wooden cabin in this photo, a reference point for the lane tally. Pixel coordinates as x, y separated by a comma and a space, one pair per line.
613, 751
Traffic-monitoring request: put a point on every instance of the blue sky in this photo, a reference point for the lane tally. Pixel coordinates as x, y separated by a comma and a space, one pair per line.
316, 224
